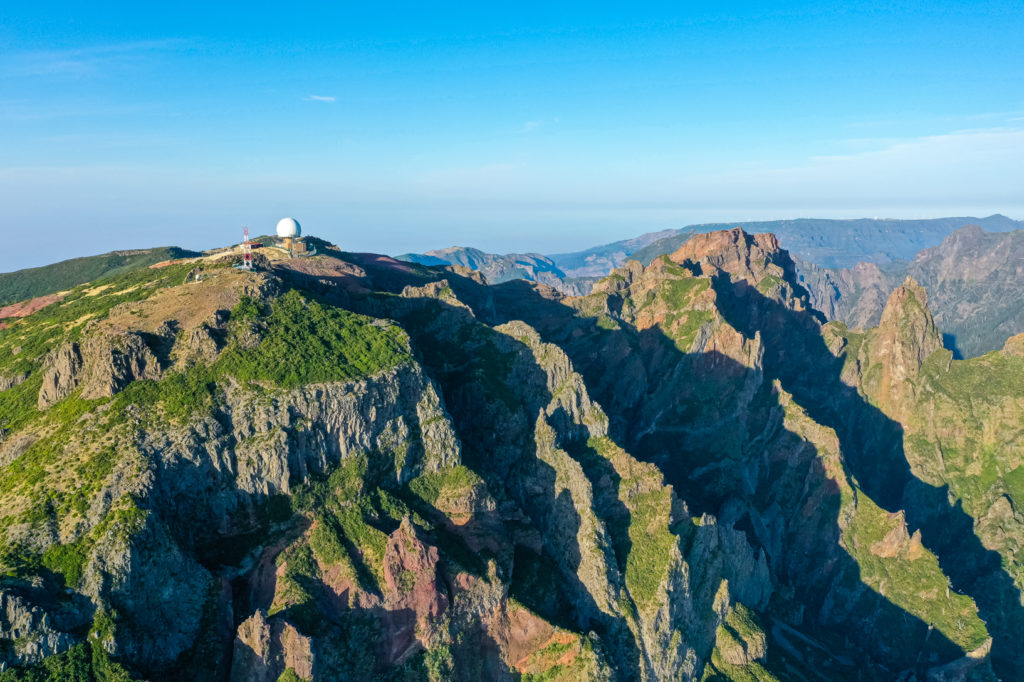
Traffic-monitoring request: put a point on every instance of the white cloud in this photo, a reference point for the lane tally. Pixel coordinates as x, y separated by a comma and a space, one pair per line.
978, 167
530, 126
322, 98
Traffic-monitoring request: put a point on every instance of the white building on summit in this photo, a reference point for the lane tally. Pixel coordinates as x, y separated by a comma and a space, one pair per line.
289, 231
288, 227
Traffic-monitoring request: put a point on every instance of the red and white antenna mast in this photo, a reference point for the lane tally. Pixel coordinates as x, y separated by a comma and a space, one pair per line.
246, 250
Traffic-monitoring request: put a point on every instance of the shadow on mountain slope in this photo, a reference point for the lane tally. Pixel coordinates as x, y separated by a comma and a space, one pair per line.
713, 474
496, 418
756, 476
949, 343
872, 448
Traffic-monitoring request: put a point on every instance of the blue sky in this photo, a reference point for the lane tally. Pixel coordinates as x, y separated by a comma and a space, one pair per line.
396, 127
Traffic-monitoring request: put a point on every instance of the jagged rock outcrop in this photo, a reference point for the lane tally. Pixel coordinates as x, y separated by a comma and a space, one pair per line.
416, 598
200, 344
29, 631
744, 256
112, 361
264, 650
1014, 345
158, 592
61, 374
8, 382
103, 364
973, 278
907, 333
676, 476
893, 354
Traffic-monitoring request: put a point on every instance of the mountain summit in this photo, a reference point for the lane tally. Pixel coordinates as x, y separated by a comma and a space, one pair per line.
348, 466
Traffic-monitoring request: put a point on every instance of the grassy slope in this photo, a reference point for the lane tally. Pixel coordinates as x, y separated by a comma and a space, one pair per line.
301, 342
55, 480
48, 279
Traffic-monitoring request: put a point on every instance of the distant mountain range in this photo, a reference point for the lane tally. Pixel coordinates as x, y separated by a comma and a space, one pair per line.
347, 467
532, 267
824, 242
975, 281
849, 267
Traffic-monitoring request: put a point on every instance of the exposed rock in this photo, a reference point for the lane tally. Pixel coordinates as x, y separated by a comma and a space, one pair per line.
895, 541
252, 660
1015, 345
898, 347
138, 571
907, 333
973, 666
61, 374
415, 596
199, 345
264, 649
974, 279
103, 365
744, 256
112, 361
296, 649
7, 382
29, 630
464, 271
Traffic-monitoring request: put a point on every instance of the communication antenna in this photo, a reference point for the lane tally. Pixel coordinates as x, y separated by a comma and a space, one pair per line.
246, 250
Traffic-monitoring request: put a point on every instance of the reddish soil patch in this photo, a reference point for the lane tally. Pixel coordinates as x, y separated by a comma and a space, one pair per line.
26, 308
341, 273
322, 266
376, 259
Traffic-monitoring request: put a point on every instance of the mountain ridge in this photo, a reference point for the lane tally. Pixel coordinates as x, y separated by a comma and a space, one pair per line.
348, 465
976, 279
48, 279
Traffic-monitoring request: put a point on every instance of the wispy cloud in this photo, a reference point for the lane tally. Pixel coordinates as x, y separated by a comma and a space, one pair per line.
531, 126
321, 98
80, 62
966, 167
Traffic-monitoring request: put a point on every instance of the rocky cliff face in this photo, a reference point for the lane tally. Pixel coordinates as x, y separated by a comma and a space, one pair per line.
898, 348
357, 468
973, 278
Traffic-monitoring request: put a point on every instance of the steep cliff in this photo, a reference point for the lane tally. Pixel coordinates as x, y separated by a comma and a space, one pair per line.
349, 467
973, 278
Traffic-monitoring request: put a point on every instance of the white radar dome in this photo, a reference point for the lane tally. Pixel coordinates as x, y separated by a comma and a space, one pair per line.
288, 227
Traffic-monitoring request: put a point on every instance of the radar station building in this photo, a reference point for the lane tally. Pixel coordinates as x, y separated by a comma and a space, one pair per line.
290, 233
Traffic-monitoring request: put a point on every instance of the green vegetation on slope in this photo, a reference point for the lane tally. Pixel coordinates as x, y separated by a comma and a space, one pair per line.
304, 342
909, 575
301, 342
431, 486
348, 511
645, 548
25, 342
49, 279
81, 663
